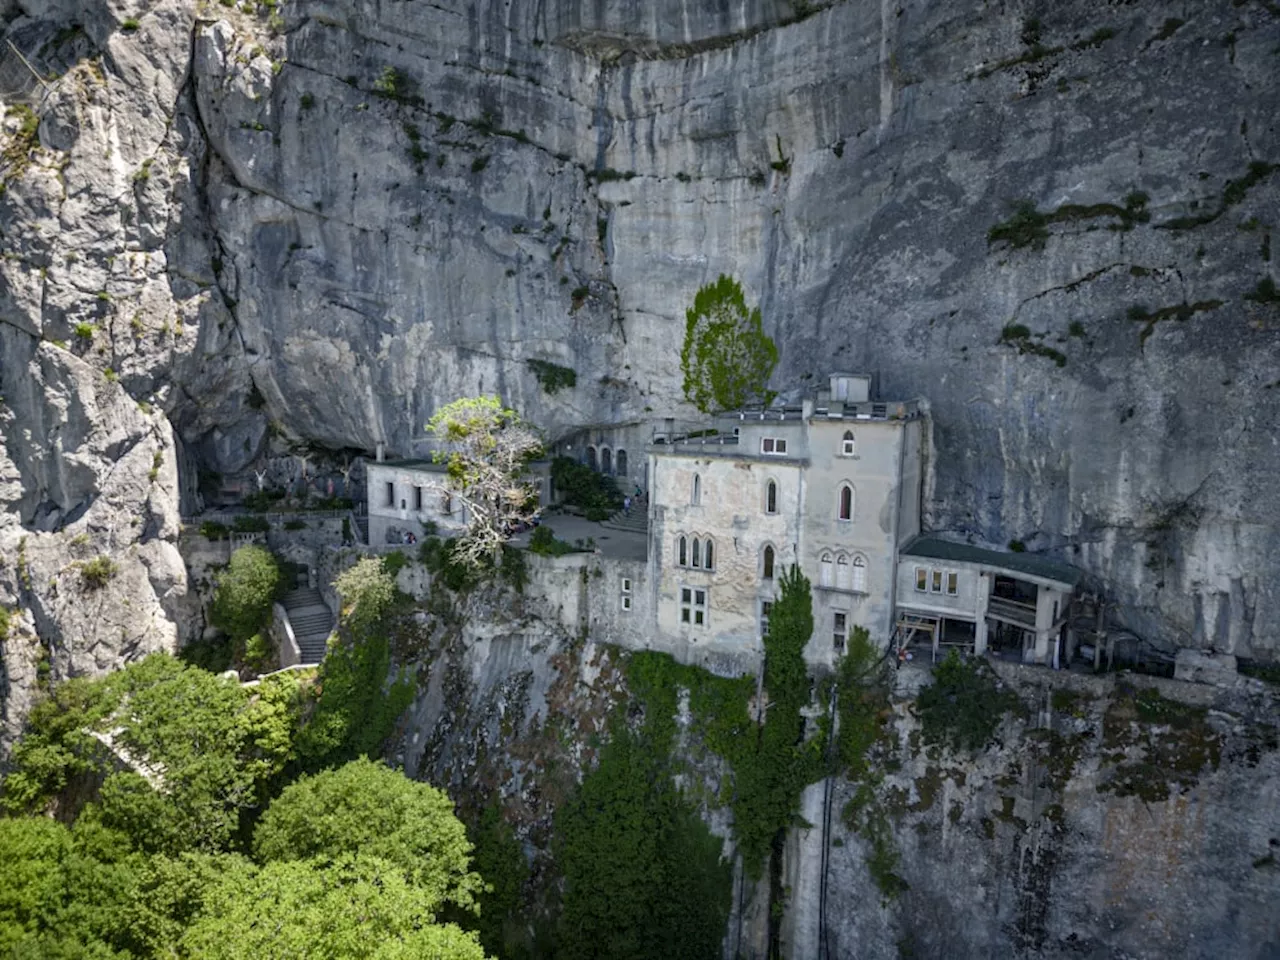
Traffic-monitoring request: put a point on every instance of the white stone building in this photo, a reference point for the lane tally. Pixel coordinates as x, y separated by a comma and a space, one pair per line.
832, 484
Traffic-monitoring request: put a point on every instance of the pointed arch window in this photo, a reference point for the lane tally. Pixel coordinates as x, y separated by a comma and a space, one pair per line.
682, 551
859, 575
771, 497
766, 563
846, 445
620, 462
708, 554
697, 552
606, 460
825, 570
845, 505
842, 572
696, 497
591, 458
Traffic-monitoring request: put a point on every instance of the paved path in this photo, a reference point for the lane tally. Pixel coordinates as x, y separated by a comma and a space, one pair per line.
622, 544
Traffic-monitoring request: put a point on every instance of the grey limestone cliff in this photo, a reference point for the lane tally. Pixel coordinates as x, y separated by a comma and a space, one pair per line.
320, 220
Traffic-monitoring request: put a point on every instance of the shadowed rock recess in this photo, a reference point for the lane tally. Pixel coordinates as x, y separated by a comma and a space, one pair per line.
1052, 221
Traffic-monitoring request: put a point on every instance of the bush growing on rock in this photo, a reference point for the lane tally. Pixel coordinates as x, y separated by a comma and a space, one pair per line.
242, 601
96, 572
964, 705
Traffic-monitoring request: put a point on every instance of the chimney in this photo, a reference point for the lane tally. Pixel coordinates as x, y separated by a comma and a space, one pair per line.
381, 448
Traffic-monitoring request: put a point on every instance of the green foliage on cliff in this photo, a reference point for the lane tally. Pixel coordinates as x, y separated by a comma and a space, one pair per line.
727, 358
644, 877
964, 705
552, 376
359, 699
579, 485
245, 591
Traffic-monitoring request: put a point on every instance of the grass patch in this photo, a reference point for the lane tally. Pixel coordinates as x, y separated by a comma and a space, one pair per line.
95, 573
544, 543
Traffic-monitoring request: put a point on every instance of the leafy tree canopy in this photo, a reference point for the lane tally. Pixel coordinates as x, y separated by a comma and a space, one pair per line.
727, 358
242, 602
367, 808
485, 450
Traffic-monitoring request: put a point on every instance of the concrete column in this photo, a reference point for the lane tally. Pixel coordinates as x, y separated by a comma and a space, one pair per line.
381, 451
980, 614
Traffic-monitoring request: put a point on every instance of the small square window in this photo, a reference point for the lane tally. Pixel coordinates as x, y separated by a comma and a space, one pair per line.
626, 584
952, 583
626, 603
684, 614
921, 579
766, 444
686, 595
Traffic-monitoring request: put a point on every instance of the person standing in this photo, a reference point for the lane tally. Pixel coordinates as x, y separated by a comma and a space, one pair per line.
626, 506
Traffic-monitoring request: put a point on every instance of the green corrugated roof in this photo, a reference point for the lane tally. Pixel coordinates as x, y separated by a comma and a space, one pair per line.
419, 463
936, 548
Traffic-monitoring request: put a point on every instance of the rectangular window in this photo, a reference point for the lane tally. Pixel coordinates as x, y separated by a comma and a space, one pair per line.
417, 498
626, 593
935, 581
774, 445
920, 579
766, 607
391, 493
693, 606
953, 583
839, 629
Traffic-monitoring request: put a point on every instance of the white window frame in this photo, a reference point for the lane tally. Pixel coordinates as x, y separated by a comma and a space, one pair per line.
694, 602
922, 580
953, 583
859, 571
935, 580
625, 594
697, 554
773, 446
848, 445
839, 628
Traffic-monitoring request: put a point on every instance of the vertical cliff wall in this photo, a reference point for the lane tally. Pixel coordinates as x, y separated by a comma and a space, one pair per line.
320, 222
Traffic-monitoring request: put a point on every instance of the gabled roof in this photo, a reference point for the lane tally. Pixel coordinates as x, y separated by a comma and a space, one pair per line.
934, 547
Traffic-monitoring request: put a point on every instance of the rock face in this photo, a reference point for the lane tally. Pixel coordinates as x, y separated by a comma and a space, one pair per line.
324, 222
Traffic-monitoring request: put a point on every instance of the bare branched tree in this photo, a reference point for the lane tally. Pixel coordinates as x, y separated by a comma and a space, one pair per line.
485, 449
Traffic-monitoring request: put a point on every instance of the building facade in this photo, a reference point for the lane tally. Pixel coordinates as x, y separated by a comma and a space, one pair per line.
832, 484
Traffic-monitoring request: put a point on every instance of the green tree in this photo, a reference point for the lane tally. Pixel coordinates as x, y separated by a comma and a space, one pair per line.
644, 877
359, 699
370, 809
485, 451
353, 907
727, 358
181, 753
964, 705
245, 591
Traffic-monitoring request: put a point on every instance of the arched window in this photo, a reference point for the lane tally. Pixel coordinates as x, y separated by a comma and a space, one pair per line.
620, 461
697, 490
697, 552
606, 460
859, 574
708, 555
846, 445
766, 566
682, 552
842, 572
825, 568
771, 497
591, 458
846, 502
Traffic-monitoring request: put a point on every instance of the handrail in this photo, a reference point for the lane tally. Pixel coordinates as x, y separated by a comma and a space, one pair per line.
290, 652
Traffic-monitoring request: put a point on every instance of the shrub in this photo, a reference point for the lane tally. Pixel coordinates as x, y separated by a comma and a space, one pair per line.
212, 530
242, 601
544, 543
295, 524
129, 24
84, 330
442, 562
581, 486
964, 705
5, 615
96, 572
244, 524
394, 562
552, 376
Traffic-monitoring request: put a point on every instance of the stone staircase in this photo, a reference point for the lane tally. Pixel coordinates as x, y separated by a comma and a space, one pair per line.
311, 621
362, 528
638, 522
